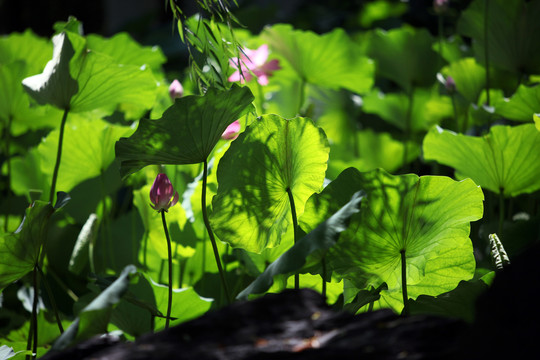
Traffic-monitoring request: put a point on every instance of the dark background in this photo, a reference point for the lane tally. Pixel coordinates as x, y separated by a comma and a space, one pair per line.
150, 21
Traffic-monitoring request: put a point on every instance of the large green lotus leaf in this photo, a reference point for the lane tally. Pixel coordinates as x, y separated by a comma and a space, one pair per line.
87, 151
426, 218
502, 161
26, 174
19, 251
55, 85
251, 208
28, 47
522, 105
308, 250
13, 99
186, 304
371, 150
428, 108
94, 318
186, 133
331, 60
124, 50
470, 78
83, 80
15, 104
510, 26
405, 56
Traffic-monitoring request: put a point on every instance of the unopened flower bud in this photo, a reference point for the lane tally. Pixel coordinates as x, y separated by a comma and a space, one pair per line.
176, 90
162, 194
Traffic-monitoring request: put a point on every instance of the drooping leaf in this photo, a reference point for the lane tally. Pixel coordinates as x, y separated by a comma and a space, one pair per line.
363, 298
313, 245
523, 104
186, 133
426, 218
94, 318
55, 85
83, 80
331, 60
510, 24
19, 252
502, 161
252, 208
87, 151
80, 254
405, 56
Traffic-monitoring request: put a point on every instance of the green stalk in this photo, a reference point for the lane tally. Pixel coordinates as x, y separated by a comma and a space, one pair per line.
51, 299
404, 282
323, 276
486, 51
501, 213
440, 30
454, 107
33, 333
261, 97
169, 253
302, 96
106, 228
58, 155
8, 163
211, 234
408, 128
295, 225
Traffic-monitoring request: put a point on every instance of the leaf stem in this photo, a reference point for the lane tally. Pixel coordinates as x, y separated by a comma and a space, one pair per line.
51, 299
261, 97
323, 276
58, 155
408, 128
33, 331
169, 253
302, 96
486, 51
501, 213
8, 164
211, 234
404, 282
295, 225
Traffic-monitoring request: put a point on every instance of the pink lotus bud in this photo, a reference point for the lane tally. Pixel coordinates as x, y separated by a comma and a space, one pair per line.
440, 6
161, 194
176, 90
450, 84
232, 131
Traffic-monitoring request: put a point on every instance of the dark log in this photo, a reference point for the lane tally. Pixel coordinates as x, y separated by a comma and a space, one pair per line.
299, 325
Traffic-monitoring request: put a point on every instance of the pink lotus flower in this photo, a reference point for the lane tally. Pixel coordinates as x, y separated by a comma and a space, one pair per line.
161, 194
253, 63
232, 131
176, 90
